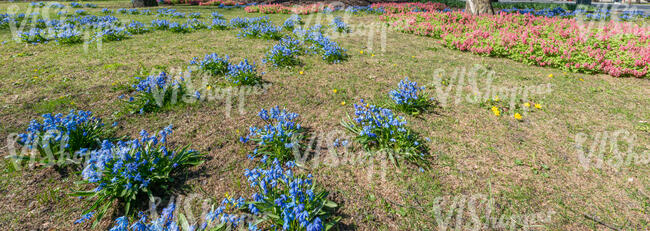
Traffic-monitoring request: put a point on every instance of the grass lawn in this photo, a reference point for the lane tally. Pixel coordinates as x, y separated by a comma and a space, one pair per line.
527, 167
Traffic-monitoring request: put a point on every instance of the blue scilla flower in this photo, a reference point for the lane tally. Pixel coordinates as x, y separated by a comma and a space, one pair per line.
407, 92
135, 27
282, 55
264, 30
339, 26
217, 15
212, 63
220, 24
106, 11
292, 22
244, 73
195, 15
160, 24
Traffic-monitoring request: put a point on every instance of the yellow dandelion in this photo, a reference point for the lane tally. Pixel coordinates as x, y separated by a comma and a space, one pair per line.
496, 111
413, 56
527, 104
565, 72
372, 55
394, 65
71, 103
35, 70
538, 106
582, 79
334, 90
360, 52
342, 103
550, 75
496, 98
209, 87
517, 116
301, 72
35, 77
114, 83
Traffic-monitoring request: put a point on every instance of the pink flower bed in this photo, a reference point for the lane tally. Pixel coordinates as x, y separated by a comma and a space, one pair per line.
282, 9
617, 48
408, 7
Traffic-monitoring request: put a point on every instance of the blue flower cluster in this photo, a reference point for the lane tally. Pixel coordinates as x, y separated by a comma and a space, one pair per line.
217, 15
292, 22
112, 34
243, 73
339, 25
135, 27
219, 24
284, 53
195, 15
170, 13
212, 64
76, 5
126, 169
409, 97
107, 11
160, 24
164, 223
59, 134
364, 9
278, 138
167, 220
34, 35
156, 91
321, 44
265, 30
81, 12
238, 22
90, 5
379, 129
288, 200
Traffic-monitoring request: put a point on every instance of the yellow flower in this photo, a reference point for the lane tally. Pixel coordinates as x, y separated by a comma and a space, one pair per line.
342, 103
301, 72
394, 65
360, 52
334, 90
35, 77
527, 104
496, 98
35, 70
496, 111
413, 56
372, 55
565, 72
209, 87
517, 116
582, 79
538, 106
114, 83
550, 75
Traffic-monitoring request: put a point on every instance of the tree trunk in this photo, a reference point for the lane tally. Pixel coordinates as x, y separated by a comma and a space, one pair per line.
144, 3
477, 7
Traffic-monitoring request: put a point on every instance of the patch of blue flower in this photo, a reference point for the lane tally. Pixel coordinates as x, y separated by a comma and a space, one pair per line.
58, 138
212, 64
409, 97
380, 130
127, 170
283, 54
339, 26
243, 73
279, 137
